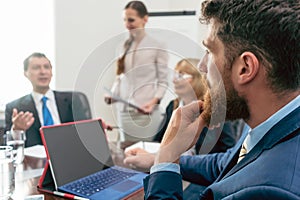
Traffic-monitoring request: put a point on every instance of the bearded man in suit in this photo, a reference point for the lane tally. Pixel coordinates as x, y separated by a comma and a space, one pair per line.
254, 47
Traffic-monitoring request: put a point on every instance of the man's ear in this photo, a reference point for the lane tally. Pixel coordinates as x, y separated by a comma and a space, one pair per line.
249, 67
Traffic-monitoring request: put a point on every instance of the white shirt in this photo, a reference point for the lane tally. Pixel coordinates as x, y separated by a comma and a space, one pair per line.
256, 134
51, 104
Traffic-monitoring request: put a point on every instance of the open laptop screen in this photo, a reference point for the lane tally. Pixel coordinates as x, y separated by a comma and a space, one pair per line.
76, 149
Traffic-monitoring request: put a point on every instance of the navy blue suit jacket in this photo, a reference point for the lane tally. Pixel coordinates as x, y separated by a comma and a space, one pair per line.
271, 170
65, 103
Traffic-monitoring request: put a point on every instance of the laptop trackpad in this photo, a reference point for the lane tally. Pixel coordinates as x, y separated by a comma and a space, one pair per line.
124, 186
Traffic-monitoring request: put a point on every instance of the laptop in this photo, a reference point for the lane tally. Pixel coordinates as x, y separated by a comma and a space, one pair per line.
81, 162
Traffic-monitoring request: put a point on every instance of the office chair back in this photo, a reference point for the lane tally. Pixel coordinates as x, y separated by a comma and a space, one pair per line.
81, 106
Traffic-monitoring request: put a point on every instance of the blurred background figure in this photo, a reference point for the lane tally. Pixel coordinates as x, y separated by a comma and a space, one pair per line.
27, 112
141, 77
190, 85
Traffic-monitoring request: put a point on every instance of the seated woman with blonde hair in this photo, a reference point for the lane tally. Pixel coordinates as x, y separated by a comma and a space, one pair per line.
189, 85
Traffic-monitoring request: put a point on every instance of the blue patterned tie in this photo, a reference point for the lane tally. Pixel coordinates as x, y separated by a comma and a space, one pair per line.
48, 120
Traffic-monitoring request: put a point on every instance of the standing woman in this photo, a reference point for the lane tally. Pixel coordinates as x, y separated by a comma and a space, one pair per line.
142, 77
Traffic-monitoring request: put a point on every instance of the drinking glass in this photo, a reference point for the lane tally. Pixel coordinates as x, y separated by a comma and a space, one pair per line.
7, 172
16, 139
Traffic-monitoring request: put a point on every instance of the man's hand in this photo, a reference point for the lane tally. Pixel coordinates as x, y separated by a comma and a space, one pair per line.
139, 159
182, 133
21, 120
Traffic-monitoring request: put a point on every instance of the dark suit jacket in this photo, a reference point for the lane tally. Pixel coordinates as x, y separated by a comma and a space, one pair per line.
271, 170
223, 139
65, 102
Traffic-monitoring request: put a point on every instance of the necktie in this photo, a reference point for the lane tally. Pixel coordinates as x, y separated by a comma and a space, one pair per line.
243, 152
48, 120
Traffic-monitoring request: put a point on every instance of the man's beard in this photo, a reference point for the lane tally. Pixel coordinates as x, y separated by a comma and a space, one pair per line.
236, 107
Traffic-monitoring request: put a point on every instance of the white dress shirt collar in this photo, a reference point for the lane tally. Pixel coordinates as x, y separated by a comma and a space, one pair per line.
38, 96
256, 134
51, 104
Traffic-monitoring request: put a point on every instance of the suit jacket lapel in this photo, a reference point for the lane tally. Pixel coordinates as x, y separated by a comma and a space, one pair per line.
275, 135
62, 106
234, 156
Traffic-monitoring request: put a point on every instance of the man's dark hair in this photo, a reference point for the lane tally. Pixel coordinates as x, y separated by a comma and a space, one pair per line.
37, 55
268, 28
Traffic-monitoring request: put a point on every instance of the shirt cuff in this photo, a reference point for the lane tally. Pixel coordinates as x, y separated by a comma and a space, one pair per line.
172, 167
17, 132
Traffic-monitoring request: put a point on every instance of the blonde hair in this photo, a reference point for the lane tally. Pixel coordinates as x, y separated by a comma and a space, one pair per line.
189, 66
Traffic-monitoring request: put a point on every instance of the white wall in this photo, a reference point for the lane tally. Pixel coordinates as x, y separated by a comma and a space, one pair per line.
71, 34
26, 27
171, 5
80, 26
84, 48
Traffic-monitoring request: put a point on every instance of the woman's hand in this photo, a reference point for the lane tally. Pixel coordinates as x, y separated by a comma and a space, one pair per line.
150, 106
109, 100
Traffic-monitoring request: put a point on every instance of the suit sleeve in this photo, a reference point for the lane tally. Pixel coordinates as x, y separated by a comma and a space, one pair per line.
203, 169
163, 185
262, 192
115, 89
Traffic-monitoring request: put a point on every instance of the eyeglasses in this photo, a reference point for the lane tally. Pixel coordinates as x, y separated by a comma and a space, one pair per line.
178, 75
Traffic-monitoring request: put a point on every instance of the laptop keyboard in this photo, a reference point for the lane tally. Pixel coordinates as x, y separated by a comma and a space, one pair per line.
98, 181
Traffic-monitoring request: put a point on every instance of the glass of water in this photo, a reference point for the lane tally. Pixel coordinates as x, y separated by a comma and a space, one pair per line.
16, 139
7, 175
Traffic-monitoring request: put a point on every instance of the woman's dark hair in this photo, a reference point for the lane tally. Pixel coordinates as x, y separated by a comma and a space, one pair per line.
142, 12
267, 28
138, 6
121, 61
